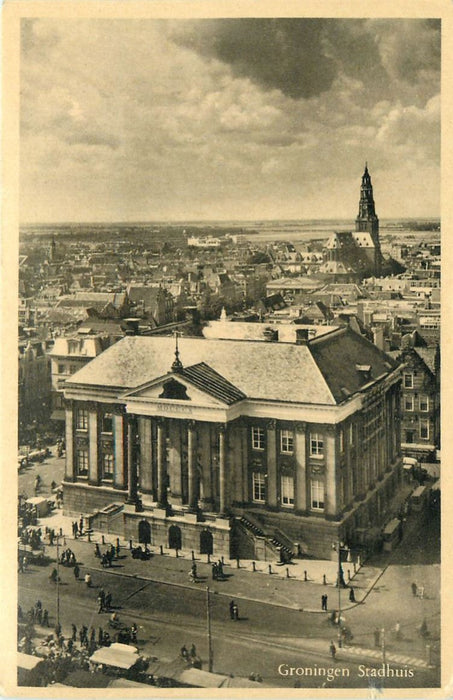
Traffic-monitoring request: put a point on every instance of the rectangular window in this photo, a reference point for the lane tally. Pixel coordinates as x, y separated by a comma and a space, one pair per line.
108, 463
257, 438
107, 423
82, 419
287, 441
316, 445
73, 369
82, 462
259, 487
409, 436
409, 403
341, 440
61, 369
317, 495
424, 429
408, 381
424, 404
287, 486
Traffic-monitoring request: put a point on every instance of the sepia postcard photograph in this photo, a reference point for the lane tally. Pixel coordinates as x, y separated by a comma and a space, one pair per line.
222, 230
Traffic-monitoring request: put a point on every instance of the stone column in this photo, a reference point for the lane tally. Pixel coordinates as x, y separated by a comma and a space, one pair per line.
118, 429
70, 467
146, 472
161, 470
222, 475
191, 439
93, 446
300, 496
331, 483
271, 447
131, 463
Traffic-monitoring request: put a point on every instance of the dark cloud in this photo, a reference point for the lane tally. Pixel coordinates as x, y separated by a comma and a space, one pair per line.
301, 57
282, 54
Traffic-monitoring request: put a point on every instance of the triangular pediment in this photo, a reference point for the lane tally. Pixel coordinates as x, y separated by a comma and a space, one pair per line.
173, 388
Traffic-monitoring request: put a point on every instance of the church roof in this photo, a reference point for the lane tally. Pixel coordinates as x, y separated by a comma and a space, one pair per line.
311, 373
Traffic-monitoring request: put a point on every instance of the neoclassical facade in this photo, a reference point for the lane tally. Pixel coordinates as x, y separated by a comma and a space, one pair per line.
235, 447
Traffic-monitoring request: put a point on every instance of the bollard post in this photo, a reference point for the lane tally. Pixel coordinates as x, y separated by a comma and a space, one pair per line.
89, 536
64, 541
253, 566
103, 539
354, 567
222, 560
118, 542
359, 561
305, 576
324, 582
176, 552
61, 532
209, 558
193, 555
237, 563
161, 549
270, 568
130, 544
349, 574
287, 572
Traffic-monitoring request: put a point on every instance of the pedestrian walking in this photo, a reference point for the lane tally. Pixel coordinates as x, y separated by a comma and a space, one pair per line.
377, 637
214, 572
45, 618
134, 630
88, 580
97, 551
108, 601
118, 549
397, 631
74, 632
100, 604
38, 616
333, 650
424, 629
351, 595
100, 637
414, 589
235, 612
76, 572
193, 651
232, 604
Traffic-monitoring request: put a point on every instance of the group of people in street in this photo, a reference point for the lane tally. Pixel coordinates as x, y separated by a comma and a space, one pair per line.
104, 601
109, 555
68, 558
78, 527
191, 656
217, 571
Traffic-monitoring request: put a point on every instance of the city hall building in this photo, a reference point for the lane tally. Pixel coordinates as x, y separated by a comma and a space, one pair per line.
235, 447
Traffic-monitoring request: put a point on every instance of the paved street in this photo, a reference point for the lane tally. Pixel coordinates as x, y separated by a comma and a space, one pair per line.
142, 593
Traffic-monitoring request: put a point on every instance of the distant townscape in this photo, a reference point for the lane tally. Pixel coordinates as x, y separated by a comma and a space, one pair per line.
225, 405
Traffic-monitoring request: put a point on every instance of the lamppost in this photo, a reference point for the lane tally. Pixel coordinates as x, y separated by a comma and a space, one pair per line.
340, 580
58, 584
208, 621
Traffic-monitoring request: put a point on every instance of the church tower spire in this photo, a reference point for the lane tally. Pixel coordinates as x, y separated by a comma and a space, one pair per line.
367, 219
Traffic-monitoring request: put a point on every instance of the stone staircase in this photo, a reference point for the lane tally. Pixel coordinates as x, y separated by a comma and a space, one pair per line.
108, 519
270, 542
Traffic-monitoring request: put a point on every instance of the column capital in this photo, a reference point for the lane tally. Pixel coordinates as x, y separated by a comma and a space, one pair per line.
191, 425
300, 426
222, 428
271, 424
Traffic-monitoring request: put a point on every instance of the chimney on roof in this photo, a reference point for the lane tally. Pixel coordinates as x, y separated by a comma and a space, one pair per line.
302, 336
365, 371
270, 335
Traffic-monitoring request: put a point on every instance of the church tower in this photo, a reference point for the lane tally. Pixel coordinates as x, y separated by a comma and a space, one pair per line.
367, 219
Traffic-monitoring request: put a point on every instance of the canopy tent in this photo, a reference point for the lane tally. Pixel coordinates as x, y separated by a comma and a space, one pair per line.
117, 655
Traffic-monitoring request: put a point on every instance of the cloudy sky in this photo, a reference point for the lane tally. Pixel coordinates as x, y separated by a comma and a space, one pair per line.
132, 120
